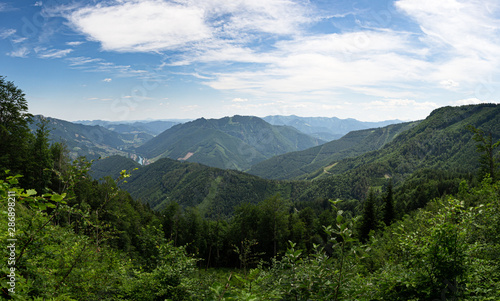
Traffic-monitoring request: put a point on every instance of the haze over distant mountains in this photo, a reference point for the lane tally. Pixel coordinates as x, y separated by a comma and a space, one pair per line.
326, 128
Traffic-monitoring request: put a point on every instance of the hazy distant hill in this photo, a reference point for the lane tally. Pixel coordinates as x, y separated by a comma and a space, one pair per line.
151, 128
355, 143
232, 142
90, 141
325, 128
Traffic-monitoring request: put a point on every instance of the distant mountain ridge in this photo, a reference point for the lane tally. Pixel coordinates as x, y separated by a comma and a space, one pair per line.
235, 142
90, 141
153, 127
326, 128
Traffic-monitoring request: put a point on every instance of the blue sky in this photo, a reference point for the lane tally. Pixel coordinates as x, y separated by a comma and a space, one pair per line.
163, 59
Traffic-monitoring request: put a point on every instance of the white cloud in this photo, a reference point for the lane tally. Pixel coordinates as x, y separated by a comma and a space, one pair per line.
54, 53
5, 33
282, 17
38, 3
19, 52
470, 101
141, 26
239, 100
464, 36
76, 43
79, 61
157, 25
107, 80
449, 84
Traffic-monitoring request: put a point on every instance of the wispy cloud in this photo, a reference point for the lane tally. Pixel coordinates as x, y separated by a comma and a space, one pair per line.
54, 53
5, 33
76, 43
19, 52
5, 7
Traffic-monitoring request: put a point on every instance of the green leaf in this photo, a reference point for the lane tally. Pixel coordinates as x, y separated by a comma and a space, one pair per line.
56, 197
31, 192
339, 218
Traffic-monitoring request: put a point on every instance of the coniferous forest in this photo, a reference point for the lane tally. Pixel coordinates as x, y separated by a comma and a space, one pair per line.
415, 218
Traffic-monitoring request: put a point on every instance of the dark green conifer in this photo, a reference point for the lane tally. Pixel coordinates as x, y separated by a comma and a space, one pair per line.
389, 205
368, 220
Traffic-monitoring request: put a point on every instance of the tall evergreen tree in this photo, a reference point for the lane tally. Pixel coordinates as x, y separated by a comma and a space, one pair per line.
486, 148
14, 131
368, 220
389, 205
40, 163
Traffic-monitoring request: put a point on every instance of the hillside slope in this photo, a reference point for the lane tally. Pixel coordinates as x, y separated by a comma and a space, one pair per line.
212, 190
441, 142
232, 142
296, 164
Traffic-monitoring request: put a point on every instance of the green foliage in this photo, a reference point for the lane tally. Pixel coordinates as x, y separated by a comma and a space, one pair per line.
169, 280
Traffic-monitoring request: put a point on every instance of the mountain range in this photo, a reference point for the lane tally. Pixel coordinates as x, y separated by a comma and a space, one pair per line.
150, 127
440, 143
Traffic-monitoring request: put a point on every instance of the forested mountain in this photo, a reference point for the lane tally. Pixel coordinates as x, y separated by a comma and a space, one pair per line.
325, 128
232, 142
212, 190
112, 166
296, 164
89, 141
441, 142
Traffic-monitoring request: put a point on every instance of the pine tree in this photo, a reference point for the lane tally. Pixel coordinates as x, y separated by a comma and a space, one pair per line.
368, 220
14, 131
389, 205
486, 147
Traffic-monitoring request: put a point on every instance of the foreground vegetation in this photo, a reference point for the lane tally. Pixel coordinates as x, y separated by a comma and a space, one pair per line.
433, 236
